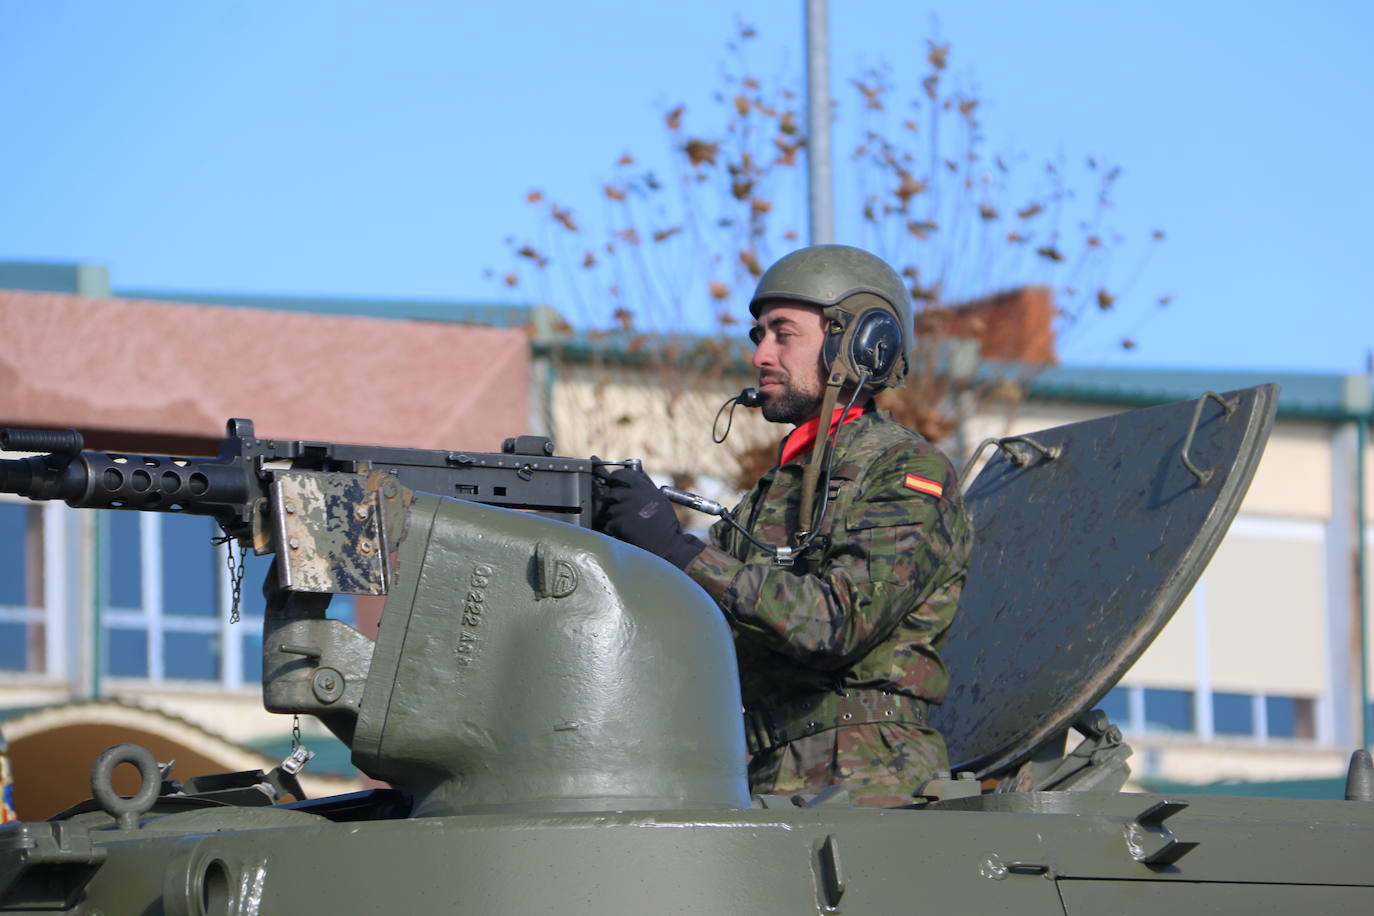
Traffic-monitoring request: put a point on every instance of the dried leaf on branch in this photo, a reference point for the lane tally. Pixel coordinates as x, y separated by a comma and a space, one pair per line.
938, 55
921, 229
701, 152
750, 259
563, 217
908, 188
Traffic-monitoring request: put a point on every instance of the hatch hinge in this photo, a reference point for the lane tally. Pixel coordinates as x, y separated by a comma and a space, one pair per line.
1096, 764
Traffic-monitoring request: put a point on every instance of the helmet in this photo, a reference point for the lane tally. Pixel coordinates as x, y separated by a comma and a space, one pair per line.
865, 302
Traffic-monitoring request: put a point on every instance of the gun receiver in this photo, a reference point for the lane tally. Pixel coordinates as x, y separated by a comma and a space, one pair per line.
234, 486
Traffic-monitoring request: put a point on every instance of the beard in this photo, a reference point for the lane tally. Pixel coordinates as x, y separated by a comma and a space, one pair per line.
791, 405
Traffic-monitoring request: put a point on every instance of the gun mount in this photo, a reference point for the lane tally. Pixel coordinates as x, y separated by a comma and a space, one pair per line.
559, 716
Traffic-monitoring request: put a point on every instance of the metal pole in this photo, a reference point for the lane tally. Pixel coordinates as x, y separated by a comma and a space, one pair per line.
818, 158
1361, 583
96, 529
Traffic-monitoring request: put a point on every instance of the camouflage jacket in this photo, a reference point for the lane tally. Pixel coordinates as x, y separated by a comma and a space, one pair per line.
870, 607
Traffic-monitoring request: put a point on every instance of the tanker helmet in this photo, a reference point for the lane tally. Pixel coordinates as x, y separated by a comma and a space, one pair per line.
864, 301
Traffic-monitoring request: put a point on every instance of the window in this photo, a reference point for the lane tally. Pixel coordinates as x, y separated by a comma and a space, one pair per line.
24, 622
1253, 716
167, 595
1116, 705
1168, 710
1233, 714
1293, 718
165, 599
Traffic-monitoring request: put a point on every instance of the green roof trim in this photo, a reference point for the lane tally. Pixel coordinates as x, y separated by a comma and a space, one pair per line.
1302, 394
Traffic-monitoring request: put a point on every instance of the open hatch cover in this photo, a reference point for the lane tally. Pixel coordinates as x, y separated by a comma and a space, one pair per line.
1081, 558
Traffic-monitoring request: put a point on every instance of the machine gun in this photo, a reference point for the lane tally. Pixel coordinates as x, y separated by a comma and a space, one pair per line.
472, 591
249, 487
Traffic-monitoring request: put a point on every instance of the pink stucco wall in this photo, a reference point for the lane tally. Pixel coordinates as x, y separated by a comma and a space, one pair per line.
179, 371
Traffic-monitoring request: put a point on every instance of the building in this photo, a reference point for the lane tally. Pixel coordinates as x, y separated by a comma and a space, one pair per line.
120, 620
116, 620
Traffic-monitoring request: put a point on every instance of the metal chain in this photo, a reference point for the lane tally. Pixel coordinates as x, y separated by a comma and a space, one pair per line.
299, 756
236, 571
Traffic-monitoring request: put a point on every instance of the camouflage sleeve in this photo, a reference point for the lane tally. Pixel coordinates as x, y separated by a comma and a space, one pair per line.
895, 546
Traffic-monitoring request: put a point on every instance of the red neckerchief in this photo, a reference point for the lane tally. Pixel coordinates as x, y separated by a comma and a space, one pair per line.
804, 436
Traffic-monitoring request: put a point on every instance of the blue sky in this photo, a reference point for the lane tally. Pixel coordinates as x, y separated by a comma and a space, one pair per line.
375, 149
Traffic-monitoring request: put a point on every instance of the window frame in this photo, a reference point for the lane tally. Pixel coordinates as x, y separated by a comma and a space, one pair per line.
50, 613
1134, 722
156, 623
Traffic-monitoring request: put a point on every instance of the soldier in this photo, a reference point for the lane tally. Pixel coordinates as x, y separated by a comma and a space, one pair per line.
838, 586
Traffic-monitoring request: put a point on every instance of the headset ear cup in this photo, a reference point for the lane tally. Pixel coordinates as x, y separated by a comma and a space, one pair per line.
875, 345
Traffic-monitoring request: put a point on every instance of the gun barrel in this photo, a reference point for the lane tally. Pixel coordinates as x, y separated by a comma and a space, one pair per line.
201, 486
98, 480
40, 477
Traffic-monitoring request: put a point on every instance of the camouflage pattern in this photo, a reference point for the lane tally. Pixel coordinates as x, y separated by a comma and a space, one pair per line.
862, 616
880, 764
329, 536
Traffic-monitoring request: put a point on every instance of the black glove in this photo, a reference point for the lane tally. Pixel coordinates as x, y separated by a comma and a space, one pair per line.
601, 483
629, 507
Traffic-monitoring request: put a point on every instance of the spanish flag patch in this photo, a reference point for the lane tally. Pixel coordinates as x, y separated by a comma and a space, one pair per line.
922, 485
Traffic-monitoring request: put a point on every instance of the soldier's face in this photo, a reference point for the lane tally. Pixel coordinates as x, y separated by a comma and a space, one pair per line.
787, 352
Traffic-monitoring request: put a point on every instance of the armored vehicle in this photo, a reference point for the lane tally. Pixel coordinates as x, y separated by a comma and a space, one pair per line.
558, 714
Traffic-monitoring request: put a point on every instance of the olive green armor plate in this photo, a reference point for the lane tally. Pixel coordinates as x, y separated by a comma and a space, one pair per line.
1087, 539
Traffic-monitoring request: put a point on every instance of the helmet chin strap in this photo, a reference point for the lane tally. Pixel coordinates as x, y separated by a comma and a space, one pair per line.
841, 373
812, 473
